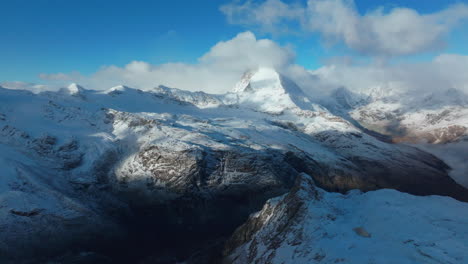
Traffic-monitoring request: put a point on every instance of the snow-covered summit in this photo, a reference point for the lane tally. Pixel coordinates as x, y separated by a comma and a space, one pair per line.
266, 90
73, 89
119, 89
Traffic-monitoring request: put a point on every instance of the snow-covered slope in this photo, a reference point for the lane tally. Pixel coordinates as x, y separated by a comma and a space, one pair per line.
435, 117
309, 225
422, 119
268, 91
195, 161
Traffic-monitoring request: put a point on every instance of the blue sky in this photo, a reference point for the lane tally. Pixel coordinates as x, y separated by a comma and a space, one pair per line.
49, 36
61, 36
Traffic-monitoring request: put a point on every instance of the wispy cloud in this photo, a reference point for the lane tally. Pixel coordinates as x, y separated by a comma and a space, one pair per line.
271, 16
400, 31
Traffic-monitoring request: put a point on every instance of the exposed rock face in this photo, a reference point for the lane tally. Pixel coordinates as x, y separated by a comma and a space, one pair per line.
284, 211
308, 225
452, 133
368, 174
168, 174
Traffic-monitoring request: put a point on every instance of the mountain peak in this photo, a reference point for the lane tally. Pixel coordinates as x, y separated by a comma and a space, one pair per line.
116, 90
257, 79
266, 90
73, 89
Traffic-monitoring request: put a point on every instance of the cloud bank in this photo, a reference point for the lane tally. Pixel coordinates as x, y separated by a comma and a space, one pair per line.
216, 71
443, 72
400, 31
454, 154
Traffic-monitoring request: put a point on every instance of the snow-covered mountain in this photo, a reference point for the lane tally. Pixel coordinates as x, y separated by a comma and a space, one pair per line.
435, 121
268, 91
145, 170
434, 117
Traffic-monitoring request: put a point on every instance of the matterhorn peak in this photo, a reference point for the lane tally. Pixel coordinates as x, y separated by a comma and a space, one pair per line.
73, 89
267, 90
253, 75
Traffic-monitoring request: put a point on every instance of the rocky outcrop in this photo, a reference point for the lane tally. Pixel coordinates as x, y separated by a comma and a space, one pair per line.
284, 211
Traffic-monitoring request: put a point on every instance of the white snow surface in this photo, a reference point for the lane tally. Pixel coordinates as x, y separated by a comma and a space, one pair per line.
438, 117
268, 91
384, 226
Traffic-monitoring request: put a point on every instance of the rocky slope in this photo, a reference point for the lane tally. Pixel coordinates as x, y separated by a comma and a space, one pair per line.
148, 170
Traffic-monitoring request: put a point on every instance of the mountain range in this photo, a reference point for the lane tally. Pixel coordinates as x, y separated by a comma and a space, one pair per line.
263, 174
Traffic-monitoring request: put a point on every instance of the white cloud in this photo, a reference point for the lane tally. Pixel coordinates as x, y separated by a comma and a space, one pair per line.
401, 31
270, 16
216, 71
443, 72
35, 88
222, 66
454, 154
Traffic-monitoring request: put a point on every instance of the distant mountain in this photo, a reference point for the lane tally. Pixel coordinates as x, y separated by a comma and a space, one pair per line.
435, 117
